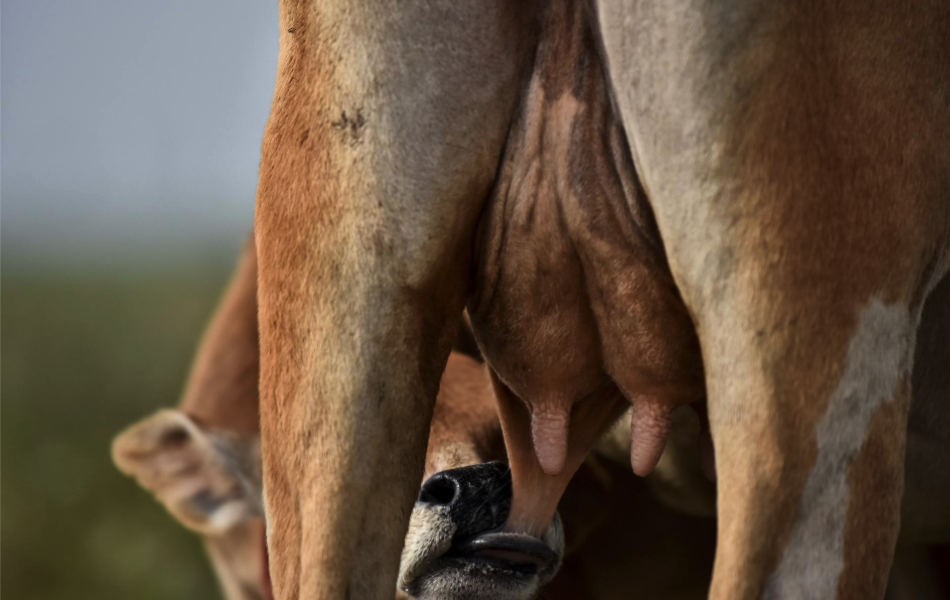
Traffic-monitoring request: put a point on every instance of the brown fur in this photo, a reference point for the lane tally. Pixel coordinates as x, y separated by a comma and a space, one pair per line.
826, 188
222, 386
875, 468
791, 165
351, 343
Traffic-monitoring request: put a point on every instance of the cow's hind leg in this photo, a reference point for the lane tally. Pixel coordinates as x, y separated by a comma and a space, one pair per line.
809, 432
795, 156
386, 131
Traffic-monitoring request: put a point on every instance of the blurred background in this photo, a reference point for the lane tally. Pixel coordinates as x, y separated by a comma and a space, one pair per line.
129, 145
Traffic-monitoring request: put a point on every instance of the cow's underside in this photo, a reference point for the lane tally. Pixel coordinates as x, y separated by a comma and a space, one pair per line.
646, 204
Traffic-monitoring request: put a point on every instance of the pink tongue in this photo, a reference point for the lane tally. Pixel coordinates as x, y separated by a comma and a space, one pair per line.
650, 423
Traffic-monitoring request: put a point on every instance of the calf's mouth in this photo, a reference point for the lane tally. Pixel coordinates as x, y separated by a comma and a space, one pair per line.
513, 551
456, 549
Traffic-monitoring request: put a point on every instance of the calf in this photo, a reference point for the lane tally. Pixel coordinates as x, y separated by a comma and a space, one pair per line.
202, 461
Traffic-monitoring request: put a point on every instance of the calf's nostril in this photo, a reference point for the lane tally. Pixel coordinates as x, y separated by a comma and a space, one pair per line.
439, 490
477, 497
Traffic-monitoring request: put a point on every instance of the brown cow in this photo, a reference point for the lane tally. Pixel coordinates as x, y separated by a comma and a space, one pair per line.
202, 461
658, 203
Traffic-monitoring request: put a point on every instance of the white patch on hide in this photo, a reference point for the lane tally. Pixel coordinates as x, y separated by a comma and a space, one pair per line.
879, 356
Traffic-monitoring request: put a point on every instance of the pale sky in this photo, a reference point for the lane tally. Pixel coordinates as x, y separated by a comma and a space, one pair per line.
131, 126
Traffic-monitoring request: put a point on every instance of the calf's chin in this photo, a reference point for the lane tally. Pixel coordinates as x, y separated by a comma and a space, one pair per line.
456, 547
431, 568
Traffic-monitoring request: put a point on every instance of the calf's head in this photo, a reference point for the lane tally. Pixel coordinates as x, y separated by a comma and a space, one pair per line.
203, 463
209, 479
455, 547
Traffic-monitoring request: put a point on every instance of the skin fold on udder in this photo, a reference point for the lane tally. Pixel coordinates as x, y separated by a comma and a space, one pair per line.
575, 308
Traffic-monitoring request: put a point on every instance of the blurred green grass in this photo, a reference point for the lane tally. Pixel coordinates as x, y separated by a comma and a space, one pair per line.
82, 357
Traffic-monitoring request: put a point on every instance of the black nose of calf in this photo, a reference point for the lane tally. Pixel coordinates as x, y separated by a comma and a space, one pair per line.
477, 497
